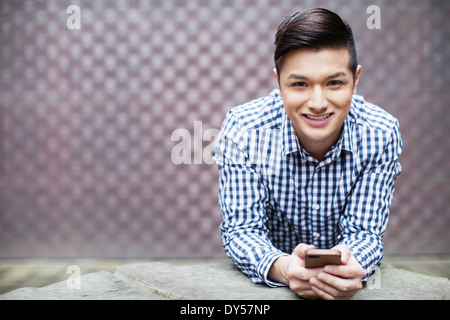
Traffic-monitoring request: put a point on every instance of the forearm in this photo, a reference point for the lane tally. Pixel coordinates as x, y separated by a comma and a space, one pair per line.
278, 270
252, 253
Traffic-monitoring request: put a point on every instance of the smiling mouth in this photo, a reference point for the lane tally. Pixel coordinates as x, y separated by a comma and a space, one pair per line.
318, 118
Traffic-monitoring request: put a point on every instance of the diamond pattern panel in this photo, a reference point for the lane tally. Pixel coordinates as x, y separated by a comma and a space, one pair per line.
89, 118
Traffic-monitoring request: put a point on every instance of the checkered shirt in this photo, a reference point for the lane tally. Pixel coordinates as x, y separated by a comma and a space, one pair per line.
274, 195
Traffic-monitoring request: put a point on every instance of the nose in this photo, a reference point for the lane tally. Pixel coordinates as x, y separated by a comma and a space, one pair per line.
317, 101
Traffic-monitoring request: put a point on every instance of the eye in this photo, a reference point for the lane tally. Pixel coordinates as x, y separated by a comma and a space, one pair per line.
335, 83
299, 84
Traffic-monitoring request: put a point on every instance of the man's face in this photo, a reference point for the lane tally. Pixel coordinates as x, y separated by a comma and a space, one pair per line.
317, 88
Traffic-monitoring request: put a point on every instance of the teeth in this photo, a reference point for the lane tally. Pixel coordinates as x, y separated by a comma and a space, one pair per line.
317, 118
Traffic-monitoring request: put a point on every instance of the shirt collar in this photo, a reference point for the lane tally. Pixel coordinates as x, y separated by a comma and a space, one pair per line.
346, 139
289, 137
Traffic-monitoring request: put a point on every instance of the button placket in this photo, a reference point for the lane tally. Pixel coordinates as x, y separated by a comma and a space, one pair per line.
315, 205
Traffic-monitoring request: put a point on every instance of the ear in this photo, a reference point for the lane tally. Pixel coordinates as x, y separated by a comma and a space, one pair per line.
275, 73
358, 73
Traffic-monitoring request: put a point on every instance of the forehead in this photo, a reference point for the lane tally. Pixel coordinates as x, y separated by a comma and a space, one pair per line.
310, 63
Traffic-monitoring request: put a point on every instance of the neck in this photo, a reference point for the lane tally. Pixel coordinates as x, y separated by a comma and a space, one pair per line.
316, 152
318, 149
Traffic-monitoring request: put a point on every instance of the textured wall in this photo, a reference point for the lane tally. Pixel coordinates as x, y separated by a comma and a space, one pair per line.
92, 119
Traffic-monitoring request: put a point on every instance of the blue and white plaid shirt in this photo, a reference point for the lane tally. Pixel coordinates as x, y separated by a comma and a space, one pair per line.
274, 195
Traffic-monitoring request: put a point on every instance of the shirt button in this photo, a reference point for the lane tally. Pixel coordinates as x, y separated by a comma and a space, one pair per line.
316, 207
316, 235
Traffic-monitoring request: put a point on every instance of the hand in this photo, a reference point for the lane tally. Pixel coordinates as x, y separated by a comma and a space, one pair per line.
291, 271
339, 282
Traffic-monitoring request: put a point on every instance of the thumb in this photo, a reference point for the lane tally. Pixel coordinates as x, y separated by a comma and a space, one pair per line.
301, 249
345, 252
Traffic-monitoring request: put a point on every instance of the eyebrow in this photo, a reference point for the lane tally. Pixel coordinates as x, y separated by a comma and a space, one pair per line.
335, 75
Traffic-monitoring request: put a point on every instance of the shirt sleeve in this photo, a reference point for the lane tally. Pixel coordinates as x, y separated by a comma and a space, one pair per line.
243, 197
364, 221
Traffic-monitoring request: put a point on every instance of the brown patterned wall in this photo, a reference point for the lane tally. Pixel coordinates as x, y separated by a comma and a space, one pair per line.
90, 117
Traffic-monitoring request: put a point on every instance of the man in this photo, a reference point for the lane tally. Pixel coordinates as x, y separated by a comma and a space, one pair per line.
311, 165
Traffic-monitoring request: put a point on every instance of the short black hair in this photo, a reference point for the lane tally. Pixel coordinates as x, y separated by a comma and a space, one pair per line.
314, 29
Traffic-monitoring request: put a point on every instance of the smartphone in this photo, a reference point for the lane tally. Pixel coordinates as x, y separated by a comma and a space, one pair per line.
319, 258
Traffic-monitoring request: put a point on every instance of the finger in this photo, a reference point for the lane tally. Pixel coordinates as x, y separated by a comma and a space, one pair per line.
324, 290
351, 270
327, 296
301, 249
334, 289
322, 294
345, 253
342, 285
340, 271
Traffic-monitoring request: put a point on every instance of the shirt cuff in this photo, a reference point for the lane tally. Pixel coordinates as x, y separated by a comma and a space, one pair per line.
368, 253
264, 265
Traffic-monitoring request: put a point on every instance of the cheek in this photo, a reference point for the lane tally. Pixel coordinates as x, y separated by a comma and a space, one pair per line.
341, 100
293, 101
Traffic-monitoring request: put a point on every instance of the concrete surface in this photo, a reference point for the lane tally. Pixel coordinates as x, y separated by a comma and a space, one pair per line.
216, 281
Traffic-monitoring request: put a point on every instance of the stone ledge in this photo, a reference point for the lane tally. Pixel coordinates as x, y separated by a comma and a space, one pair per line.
93, 286
217, 281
